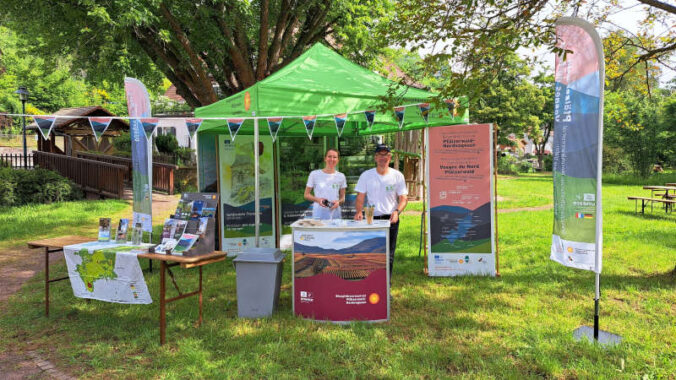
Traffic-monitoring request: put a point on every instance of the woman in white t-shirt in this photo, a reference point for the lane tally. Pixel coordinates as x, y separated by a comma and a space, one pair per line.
328, 186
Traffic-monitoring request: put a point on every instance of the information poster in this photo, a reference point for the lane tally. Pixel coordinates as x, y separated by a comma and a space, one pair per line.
341, 275
237, 190
460, 229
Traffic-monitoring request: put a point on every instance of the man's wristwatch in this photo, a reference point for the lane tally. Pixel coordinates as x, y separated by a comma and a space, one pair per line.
397, 210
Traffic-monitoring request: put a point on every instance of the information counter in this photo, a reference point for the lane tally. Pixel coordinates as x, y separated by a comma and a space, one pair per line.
341, 270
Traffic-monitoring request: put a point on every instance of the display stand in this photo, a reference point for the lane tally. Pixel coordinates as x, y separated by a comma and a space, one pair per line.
206, 243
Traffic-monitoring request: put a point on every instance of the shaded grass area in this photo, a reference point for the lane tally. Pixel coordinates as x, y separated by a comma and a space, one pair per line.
21, 224
518, 325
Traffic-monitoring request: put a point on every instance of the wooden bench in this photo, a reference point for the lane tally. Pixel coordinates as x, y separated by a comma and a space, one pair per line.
668, 203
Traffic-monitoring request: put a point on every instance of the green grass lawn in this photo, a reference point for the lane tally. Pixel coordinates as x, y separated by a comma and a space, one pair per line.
518, 325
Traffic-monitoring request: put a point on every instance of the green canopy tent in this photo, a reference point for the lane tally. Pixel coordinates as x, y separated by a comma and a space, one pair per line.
322, 82
319, 83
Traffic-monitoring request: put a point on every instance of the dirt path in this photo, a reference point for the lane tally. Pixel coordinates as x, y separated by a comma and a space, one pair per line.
18, 265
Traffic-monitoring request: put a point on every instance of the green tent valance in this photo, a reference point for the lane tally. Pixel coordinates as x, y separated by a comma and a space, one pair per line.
321, 82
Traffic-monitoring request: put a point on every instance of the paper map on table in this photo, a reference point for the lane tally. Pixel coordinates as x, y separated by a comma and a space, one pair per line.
107, 272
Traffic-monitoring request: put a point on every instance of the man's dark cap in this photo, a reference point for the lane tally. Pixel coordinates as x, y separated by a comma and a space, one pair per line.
382, 147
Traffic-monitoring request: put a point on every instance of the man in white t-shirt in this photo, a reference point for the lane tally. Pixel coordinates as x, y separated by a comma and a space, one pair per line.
385, 189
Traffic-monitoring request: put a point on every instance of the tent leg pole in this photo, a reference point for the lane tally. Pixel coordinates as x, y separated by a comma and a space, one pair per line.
257, 197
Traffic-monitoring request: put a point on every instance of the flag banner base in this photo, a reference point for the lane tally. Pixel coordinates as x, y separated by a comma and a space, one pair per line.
605, 338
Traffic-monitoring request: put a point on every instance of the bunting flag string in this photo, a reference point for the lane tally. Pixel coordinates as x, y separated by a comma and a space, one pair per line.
340, 122
309, 122
399, 114
452, 105
99, 126
370, 117
45, 124
274, 124
149, 125
233, 126
193, 125
424, 111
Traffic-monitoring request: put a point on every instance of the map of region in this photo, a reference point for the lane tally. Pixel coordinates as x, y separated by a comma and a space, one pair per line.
98, 265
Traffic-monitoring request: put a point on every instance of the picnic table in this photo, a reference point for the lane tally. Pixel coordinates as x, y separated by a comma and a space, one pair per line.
665, 195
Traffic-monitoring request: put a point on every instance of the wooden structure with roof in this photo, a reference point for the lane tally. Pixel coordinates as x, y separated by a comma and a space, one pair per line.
77, 133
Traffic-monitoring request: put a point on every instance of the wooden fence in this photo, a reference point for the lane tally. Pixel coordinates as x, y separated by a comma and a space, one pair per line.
92, 176
16, 161
163, 174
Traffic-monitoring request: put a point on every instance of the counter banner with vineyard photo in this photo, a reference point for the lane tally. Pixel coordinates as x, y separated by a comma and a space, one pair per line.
461, 217
237, 190
341, 275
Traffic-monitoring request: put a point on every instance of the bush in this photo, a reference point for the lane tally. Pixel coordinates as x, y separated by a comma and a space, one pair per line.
18, 187
507, 164
615, 160
166, 144
548, 163
525, 167
122, 143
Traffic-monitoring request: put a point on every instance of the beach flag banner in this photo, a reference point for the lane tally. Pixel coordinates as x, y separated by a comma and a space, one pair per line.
452, 105
340, 122
309, 122
274, 124
370, 117
45, 124
578, 124
138, 106
424, 110
577, 236
99, 126
149, 125
193, 125
233, 126
399, 114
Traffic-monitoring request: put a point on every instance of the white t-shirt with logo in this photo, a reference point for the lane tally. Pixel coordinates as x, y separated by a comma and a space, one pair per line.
326, 186
382, 191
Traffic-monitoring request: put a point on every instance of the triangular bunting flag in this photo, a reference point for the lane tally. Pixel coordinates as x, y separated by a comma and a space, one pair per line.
233, 127
45, 124
309, 122
99, 126
340, 122
193, 125
424, 110
274, 123
452, 105
370, 117
149, 125
399, 114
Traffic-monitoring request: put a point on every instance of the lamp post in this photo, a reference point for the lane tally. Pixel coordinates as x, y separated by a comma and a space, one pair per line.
23, 96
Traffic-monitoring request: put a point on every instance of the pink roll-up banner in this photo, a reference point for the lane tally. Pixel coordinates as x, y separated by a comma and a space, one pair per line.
460, 216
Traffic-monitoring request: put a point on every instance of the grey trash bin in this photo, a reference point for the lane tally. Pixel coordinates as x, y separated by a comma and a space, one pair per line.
259, 277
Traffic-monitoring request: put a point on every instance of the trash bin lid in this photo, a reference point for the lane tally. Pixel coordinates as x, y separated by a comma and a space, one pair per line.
260, 255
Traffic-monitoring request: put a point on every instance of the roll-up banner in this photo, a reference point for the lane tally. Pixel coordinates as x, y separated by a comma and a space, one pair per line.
461, 214
236, 179
138, 104
578, 136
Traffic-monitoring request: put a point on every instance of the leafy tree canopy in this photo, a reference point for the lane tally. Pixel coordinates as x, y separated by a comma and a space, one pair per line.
195, 43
